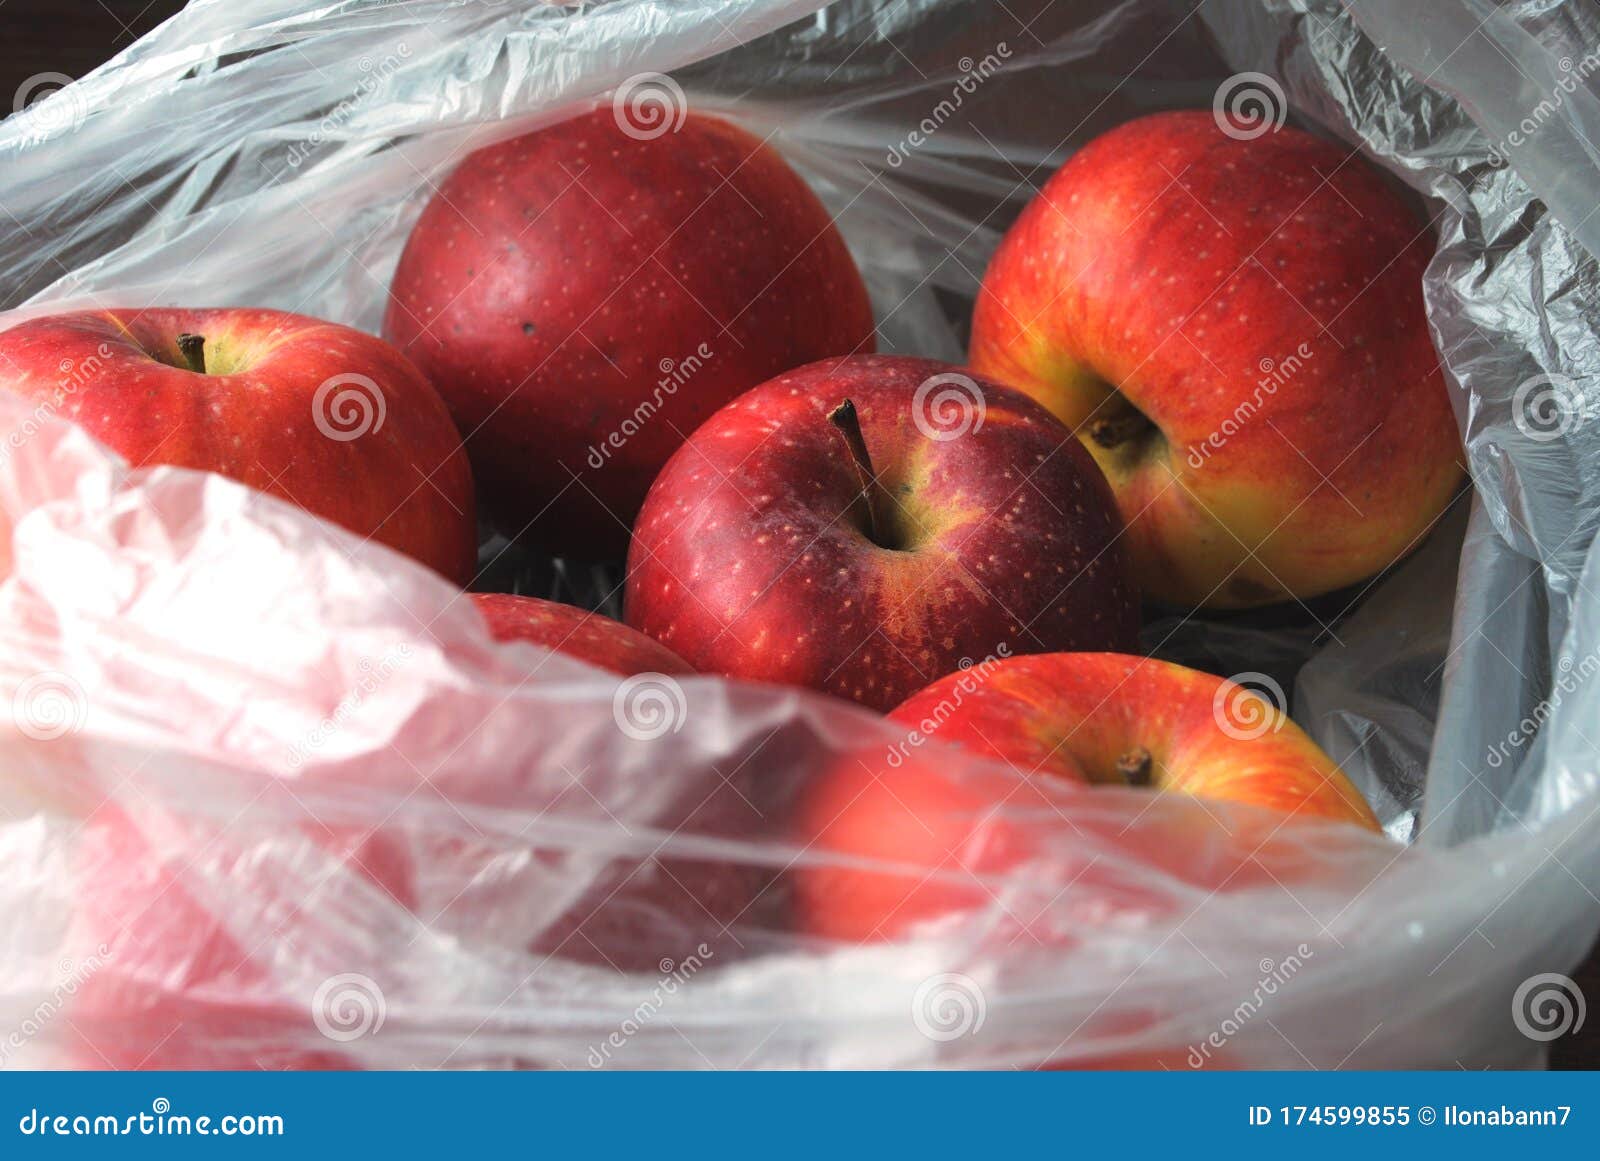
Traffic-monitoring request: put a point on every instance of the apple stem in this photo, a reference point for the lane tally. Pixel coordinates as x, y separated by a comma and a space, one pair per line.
193, 350
1118, 430
873, 493
1134, 766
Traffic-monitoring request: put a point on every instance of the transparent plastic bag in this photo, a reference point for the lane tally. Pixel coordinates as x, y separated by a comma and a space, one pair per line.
361, 834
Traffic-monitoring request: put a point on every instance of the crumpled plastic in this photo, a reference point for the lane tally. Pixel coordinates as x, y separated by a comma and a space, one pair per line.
385, 841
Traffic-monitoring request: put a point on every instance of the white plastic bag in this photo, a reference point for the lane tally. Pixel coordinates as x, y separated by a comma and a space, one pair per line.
387, 842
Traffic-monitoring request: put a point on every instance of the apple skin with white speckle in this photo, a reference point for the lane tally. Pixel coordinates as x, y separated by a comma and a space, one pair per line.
1236, 330
756, 555
584, 299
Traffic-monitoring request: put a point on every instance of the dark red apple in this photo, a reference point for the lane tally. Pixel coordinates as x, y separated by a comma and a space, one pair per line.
984, 530
321, 415
584, 299
586, 636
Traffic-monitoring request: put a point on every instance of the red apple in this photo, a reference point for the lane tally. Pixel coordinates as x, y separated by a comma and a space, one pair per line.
221, 934
185, 983
326, 417
891, 843
906, 840
1110, 718
901, 838
586, 636
1233, 323
583, 299
863, 525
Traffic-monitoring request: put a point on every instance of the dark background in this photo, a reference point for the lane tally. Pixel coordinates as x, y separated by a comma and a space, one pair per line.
69, 36
73, 36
